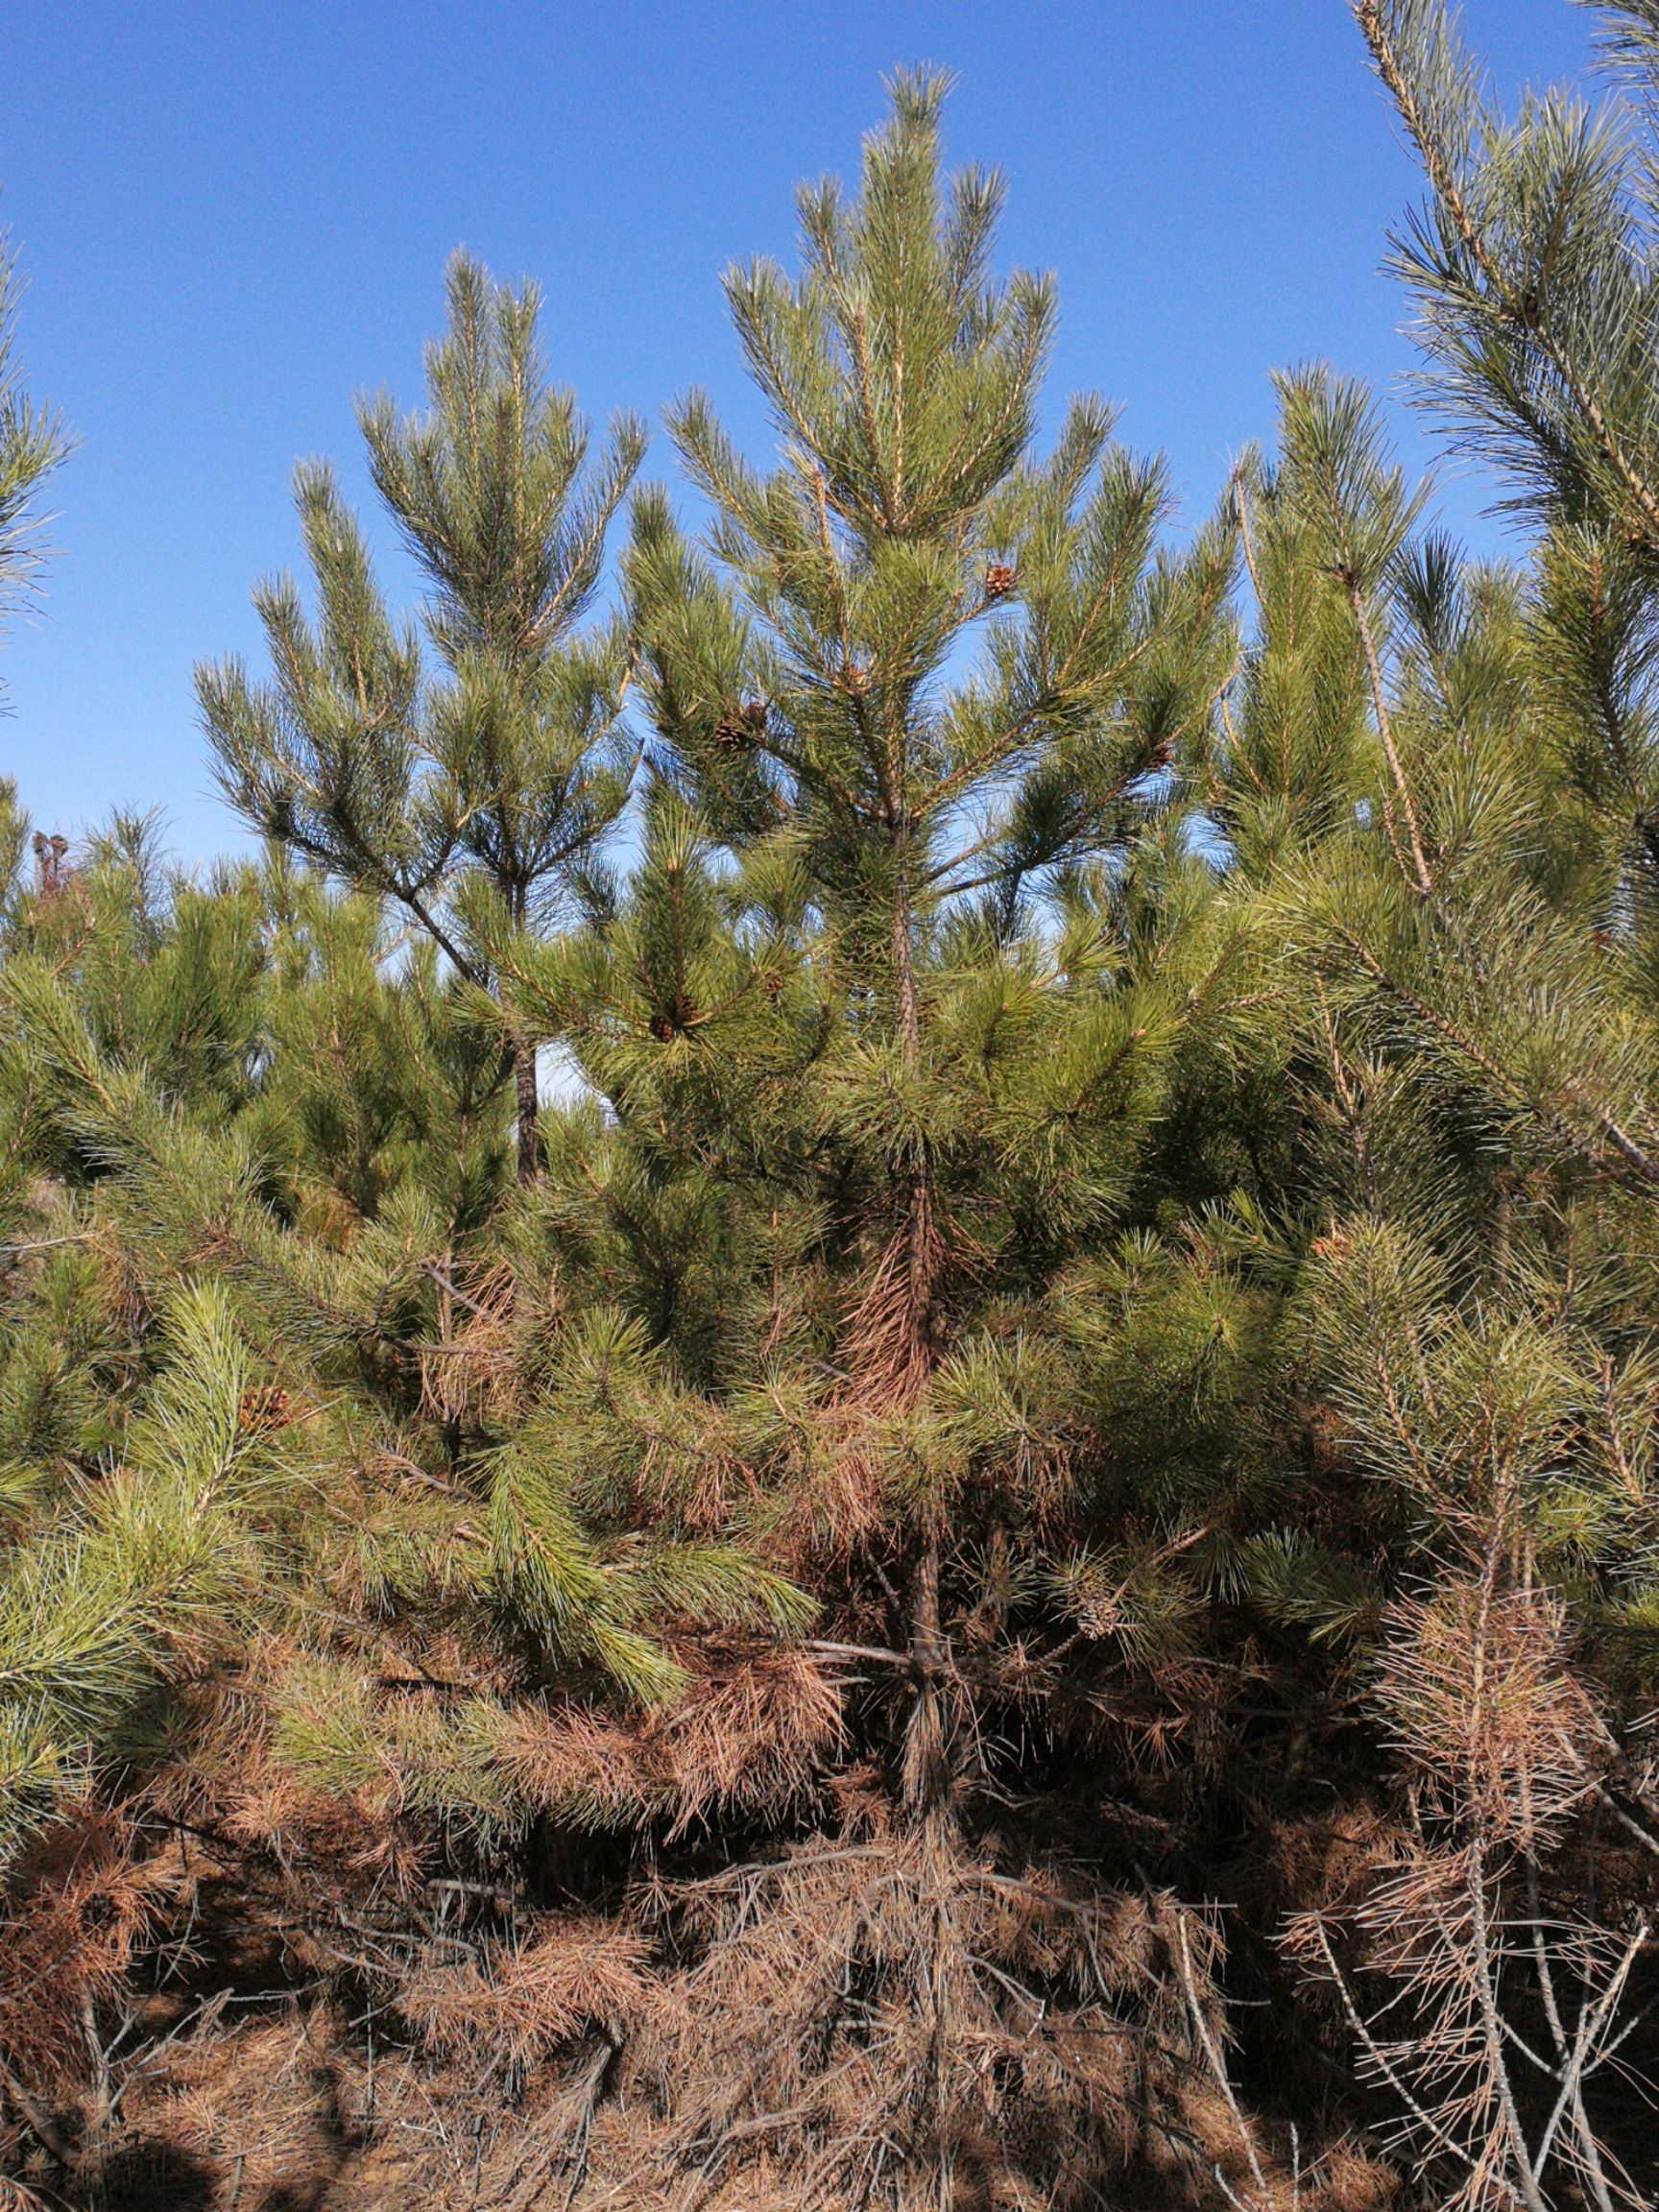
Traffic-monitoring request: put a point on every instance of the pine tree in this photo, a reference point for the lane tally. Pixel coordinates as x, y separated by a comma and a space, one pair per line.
1084, 1341
493, 780
882, 1021
32, 443
1458, 879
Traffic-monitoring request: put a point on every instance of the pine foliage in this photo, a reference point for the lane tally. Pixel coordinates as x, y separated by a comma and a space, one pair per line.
1076, 1341
483, 784
32, 443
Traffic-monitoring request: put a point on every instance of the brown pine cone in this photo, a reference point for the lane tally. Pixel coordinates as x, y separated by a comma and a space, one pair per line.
261, 1408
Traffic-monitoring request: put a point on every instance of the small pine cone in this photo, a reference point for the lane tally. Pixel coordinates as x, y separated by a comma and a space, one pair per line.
1096, 1615
262, 1407
49, 851
736, 733
999, 580
662, 1028
1163, 754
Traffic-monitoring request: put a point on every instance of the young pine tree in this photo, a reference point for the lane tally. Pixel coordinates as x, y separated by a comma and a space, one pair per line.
489, 781
1437, 782
882, 1023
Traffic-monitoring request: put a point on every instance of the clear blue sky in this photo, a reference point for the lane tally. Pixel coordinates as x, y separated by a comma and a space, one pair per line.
234, 217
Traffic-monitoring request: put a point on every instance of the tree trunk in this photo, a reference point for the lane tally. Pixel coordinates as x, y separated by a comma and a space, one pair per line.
524, 1083
906, 1006
926, 1747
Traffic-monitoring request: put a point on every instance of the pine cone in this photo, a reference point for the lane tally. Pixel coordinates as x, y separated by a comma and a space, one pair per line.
999, 580
737, 731
1097, 1615
1163, 754
49, 855
262, 1407
661, 1028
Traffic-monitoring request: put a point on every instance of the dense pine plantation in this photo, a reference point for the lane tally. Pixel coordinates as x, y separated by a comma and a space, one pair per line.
852, 1401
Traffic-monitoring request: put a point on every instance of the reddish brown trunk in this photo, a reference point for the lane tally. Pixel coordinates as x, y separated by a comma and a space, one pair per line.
904, 954
524, 1082
927, 1747
927, 1751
